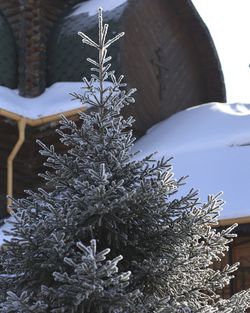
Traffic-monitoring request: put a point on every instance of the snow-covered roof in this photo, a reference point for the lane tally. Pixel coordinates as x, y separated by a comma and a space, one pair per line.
91, 7
211, 144
6, 227
56, 99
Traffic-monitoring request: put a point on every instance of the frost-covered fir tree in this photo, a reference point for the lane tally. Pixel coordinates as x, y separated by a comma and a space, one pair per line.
102, 195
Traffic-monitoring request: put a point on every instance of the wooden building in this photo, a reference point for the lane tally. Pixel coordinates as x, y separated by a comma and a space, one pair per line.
167, 54
239, 251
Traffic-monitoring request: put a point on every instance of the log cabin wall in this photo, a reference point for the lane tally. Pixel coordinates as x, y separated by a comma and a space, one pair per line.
28, 163
239, 251
33, 43
8, 53
37, 18
67, 55
11, 10
169, 55
31, 22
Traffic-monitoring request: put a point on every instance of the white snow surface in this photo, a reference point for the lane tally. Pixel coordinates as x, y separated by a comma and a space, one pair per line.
211, 144
5, 227
92, 6
55, 100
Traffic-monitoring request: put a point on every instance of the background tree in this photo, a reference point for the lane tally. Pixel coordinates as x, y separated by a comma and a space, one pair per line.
100, 191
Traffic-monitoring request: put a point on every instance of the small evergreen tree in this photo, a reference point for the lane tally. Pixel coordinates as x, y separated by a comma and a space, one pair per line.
100, 192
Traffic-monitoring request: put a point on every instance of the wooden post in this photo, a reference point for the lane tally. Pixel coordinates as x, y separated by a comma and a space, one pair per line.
32, 50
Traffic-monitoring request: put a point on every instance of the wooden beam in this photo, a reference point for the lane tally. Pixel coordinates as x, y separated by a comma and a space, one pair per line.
42, 120
33, 53
238, 220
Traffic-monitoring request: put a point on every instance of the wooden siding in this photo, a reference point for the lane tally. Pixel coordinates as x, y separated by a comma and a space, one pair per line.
31, 22
169, 56
161, 55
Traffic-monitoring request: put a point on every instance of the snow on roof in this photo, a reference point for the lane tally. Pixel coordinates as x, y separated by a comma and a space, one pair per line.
6, 227
92, 6
56, 99
211, 144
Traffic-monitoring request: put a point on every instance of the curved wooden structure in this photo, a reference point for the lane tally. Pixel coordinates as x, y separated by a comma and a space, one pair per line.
167, 54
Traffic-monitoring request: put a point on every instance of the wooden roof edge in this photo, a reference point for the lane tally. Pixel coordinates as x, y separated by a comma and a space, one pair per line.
41, 120
204, 44
233, 220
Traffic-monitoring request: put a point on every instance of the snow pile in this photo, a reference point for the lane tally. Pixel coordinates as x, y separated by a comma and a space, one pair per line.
6, 227
90, 7
211, 144
55, 100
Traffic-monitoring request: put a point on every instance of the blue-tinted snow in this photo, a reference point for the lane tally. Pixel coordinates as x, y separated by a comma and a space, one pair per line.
211, 144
